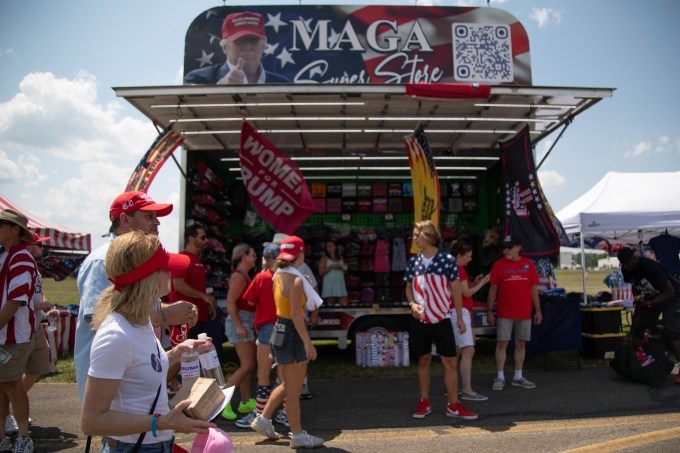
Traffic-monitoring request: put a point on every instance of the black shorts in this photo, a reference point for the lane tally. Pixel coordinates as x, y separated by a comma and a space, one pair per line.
421, 336
647, 317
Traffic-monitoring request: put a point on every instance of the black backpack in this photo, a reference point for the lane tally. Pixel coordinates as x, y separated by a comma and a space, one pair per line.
626, 363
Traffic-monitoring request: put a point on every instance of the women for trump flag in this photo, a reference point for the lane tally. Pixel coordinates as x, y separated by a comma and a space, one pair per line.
426, 193
274, 182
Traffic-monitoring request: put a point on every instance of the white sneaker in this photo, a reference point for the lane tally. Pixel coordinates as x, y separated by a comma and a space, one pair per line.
305, 394
305, 440
23, 445
244, 423
264, 426
5, 445
281, 418
11, 425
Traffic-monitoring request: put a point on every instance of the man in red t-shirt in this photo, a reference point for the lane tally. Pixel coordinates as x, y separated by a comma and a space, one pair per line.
514, 288
189, 284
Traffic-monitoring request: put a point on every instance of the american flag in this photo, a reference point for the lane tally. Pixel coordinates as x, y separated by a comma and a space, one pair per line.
152, 161
426, 191
432, 284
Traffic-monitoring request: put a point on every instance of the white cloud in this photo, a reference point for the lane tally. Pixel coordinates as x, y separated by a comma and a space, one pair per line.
550, 180
9, 170
543, 16
179, 76
9, 51
638, 150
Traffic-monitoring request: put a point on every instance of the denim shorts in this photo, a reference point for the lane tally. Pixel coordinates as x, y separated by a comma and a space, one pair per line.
287, 346
124, 447
248, 320
265, 334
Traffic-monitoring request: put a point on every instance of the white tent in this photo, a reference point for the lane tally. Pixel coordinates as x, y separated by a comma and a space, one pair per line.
631, 207
626, 206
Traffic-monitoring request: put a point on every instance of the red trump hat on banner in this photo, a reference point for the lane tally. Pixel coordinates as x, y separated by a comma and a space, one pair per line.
241, 24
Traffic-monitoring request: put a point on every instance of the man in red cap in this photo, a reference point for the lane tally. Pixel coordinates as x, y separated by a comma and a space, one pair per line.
129, 211
243, 43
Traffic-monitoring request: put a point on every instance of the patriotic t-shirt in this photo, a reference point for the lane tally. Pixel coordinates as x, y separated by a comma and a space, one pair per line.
17, 282
432, 285
514, 280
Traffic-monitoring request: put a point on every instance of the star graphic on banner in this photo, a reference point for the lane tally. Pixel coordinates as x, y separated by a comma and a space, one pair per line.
275, 22
333, 38
285, 57
206, 58
539, 206
271, 49
214, 37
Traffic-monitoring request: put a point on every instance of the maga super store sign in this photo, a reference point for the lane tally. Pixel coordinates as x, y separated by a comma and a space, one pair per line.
371, 44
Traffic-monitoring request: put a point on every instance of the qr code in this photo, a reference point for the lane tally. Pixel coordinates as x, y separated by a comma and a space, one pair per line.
482, 53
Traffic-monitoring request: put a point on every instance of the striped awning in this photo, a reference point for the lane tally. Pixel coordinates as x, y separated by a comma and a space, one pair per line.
60, 237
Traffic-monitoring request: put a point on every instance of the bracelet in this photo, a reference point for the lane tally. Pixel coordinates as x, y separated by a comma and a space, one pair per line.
154, 422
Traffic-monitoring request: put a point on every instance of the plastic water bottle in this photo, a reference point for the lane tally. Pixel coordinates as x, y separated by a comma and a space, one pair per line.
210, 363
190, 367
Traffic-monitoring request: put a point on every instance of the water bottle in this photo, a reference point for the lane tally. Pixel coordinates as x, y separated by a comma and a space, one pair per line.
190, 367
210, 363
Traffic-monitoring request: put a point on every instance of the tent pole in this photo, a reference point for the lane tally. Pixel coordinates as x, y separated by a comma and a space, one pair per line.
583, 269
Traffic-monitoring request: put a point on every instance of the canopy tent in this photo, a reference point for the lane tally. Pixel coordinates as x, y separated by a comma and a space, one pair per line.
630, 207
61, 237
626, 206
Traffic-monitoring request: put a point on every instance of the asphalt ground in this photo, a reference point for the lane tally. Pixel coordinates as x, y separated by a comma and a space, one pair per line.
571, 409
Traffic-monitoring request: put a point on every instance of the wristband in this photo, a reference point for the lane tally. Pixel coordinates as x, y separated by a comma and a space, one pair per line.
154, 422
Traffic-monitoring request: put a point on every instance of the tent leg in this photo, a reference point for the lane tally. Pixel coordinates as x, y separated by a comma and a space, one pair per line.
583, 269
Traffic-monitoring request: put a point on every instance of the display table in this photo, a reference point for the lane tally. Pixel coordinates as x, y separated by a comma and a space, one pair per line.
560, 329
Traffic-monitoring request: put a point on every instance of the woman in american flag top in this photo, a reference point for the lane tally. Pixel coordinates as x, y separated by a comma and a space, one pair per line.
433, 290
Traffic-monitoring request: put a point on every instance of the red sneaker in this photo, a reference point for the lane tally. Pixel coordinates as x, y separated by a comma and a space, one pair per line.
458, 411
423, 409
677, 379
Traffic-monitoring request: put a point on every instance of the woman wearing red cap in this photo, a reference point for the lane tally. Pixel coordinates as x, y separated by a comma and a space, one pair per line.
126, 396
291, 345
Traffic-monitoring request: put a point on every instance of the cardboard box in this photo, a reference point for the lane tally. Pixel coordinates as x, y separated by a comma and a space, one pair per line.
205, 395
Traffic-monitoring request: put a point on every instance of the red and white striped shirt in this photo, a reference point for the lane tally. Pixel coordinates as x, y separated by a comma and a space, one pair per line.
17, 282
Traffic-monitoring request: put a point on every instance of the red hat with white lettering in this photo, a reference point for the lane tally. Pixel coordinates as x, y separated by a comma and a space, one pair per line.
128, 202
241, 24
291, 247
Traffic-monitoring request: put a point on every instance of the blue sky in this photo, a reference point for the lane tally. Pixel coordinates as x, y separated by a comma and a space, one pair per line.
68, 145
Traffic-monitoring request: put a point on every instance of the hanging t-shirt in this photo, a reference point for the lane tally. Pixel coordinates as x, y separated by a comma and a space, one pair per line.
398, 255
667, 248
514, 280
381, 259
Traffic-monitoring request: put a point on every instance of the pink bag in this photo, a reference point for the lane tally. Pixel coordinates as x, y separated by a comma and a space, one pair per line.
216, 441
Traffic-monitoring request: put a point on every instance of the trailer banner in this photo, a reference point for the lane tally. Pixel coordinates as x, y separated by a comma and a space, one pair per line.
426, 191
527, 215
274, 182
147, 169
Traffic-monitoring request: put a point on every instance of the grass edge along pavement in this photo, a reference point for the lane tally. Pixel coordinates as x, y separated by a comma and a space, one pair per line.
334, 363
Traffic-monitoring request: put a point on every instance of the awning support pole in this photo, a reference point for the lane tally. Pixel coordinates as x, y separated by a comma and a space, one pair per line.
583, 269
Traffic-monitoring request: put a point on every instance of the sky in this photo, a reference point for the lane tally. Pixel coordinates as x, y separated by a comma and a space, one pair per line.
68, 145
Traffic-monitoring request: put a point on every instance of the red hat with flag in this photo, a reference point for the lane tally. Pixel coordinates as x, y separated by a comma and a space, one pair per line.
128, 202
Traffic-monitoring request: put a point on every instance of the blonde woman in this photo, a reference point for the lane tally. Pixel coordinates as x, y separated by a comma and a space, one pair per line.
291, 345
125, 395
239, 327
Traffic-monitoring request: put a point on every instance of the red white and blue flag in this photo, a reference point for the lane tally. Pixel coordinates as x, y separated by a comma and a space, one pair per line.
147, 169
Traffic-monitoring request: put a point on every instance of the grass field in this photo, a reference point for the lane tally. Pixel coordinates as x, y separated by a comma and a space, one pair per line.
334, 363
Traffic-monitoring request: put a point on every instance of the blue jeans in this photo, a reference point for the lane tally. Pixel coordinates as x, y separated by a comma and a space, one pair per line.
158, 447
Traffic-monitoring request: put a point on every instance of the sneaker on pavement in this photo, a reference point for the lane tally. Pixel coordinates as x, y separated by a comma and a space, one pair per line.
244, 423
264, 426
305, 394
229, 413
498, 384
304, 440
11, 425
475, 397
282, 418
677, 379
5, 445
248, 406
458, 411
23, 445
422, 409
524, 383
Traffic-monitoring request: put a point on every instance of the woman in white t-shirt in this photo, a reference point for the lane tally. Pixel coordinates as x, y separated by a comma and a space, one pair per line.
128, 366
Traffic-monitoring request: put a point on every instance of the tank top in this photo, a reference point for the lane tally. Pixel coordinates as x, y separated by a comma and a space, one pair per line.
283, 302
241, 303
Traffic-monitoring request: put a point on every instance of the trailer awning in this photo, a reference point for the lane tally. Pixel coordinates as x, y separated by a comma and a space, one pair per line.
334, 126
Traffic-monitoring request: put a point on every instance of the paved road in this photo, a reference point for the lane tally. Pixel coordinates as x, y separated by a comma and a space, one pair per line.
588, 409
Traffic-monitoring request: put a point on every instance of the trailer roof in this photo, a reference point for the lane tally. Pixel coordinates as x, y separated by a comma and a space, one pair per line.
364, 124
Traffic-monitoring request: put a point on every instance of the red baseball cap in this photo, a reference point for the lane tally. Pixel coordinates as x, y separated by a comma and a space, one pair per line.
241, 24
37, 239
128, 202
291, 247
